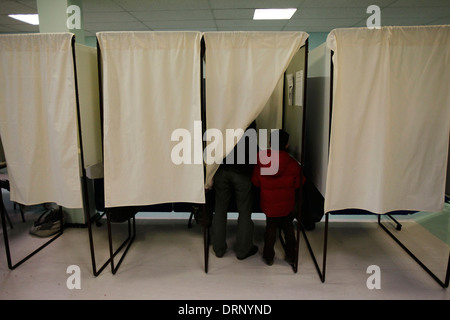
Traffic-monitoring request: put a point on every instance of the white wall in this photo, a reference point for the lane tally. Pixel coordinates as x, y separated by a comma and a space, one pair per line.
318, 116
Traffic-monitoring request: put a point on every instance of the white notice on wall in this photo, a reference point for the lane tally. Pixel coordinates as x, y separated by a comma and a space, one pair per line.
299, 88
290, 81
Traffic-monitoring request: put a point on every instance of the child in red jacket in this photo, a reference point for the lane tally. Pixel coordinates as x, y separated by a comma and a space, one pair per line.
277, 194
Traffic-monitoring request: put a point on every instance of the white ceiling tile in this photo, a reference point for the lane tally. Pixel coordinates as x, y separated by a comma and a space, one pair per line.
233, 13
25, 28
251, 23
361, 24
399, 22
117, 17
331, 13
421, 3
416, 12
181, 25
5, 20
112, 26
335, 23
14, 7
100, 6
443, 21
29, 3
7, 29
345, 3
323, 28
228, 4
141, 5
250, 28
405, 21
177, 28
173, 15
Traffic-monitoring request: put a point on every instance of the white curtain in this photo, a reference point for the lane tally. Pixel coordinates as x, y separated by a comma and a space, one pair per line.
242, 70
151, 89
271, 116
390, 119
38, 118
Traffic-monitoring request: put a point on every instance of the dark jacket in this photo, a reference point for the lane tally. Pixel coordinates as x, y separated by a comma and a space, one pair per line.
243, 163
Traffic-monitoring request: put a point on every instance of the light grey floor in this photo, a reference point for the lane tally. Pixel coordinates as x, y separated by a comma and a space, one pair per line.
166, 262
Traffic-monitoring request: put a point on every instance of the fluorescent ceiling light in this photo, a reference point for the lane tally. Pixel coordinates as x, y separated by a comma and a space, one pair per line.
274, 14
28, 18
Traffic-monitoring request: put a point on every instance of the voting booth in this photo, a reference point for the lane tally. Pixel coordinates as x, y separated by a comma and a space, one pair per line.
385, 104
245, 75
40, 125
161, 94
151, 101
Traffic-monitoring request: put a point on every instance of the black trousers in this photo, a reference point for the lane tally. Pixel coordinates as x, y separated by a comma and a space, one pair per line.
285, 224
226, 181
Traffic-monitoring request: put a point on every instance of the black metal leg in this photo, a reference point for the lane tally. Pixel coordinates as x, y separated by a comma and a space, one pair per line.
205, 237
7, 215
398, 224
325, 245
299, 228
112, 253
444, 283
129, 240
190, 220
297, 248
21, 213
92, 249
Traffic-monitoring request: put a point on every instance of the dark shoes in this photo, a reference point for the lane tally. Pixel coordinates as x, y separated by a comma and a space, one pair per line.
220, 254
252, 251
289, 260
268, 262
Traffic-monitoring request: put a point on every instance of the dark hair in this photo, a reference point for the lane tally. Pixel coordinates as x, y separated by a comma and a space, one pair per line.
282, 137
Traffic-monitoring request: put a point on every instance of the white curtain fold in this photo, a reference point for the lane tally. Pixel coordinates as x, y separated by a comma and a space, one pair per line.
271, 116
242, 70
390, 119
151, 88
38, 118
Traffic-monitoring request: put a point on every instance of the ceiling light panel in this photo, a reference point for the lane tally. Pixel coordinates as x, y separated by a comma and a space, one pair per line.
274, 14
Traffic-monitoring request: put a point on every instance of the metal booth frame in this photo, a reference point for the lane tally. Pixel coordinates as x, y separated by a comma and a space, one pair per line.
3, 212
321, 272
131, 225
206, 228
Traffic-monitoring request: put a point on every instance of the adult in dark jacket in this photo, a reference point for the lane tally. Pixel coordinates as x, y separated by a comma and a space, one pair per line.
234, 177
278, 194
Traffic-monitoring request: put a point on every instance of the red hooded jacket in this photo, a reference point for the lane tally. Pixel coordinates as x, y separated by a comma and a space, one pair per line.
278, 187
